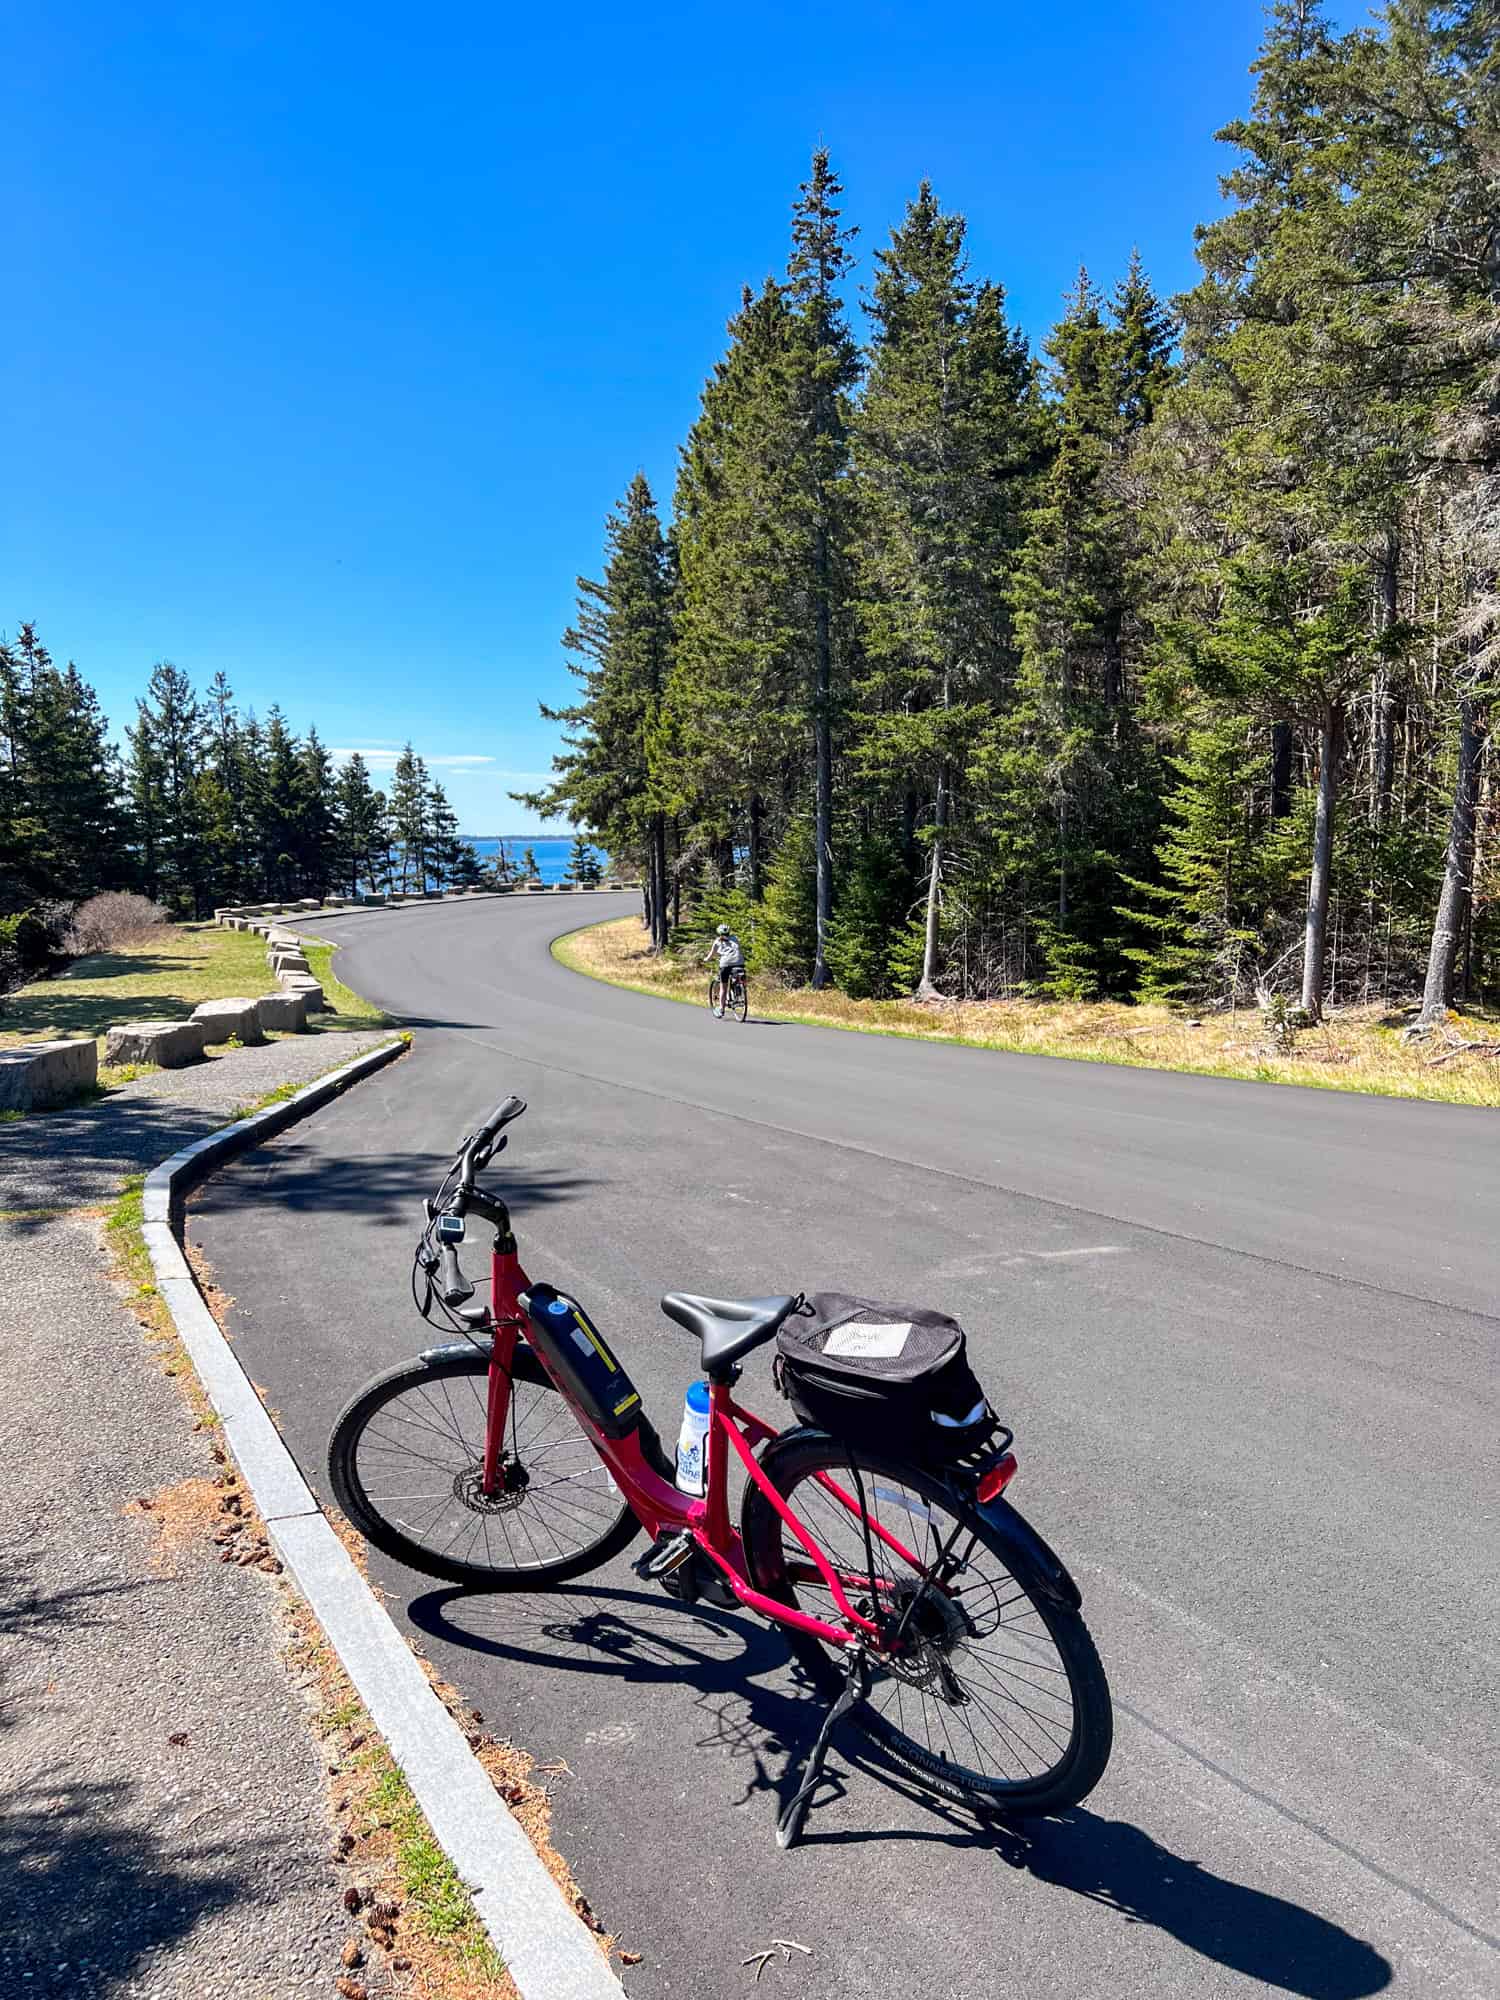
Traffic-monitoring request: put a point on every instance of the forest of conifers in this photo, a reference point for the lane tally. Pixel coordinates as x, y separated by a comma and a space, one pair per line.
206, 806
1158, 666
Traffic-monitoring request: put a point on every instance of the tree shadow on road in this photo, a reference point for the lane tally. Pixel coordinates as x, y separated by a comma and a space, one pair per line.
299, 1178
737, 1672
89, 1895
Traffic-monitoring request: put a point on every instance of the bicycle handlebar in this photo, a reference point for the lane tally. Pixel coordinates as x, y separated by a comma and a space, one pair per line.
505, 1111
456, 1287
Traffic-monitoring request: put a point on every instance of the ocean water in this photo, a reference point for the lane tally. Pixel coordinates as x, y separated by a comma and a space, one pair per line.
551, 852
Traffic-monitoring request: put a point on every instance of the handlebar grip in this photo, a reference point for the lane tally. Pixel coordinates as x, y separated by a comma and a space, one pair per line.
507, 1109
456, 1287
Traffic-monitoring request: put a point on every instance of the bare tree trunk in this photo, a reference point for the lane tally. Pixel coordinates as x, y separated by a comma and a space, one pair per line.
659, 941
1282, 746
1062, 861
1321, 883
1458, 870
927, 984
756, 858
823, 759
1383, 745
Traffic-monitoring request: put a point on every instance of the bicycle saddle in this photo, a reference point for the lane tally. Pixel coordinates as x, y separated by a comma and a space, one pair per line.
728, 1328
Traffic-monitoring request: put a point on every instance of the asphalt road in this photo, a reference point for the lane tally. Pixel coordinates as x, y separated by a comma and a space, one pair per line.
1247, 1337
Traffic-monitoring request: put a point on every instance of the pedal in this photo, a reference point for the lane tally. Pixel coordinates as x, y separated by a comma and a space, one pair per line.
666, 1554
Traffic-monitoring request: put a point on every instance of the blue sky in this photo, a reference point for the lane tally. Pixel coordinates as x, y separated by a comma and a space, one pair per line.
333, 332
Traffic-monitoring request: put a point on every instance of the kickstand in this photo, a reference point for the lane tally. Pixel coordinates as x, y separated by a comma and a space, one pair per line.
856, 1689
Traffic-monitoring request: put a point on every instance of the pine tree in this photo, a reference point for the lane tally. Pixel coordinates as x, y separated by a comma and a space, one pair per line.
583, 866
316, 837
945, 440
362, 835
824, 367
729, 750
620, 653
409, 810
167, 748
1070, 743
278, 808
444, 846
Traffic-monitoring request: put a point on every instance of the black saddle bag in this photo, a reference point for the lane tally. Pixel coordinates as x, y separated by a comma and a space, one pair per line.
895, 1378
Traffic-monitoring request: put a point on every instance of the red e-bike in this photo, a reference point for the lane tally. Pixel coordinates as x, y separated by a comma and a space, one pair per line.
915, 1597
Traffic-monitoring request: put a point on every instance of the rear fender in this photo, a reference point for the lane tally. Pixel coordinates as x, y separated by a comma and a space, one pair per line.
1028, 1555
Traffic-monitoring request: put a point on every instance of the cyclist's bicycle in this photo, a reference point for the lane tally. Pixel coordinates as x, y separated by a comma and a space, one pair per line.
729, 994
916, 1599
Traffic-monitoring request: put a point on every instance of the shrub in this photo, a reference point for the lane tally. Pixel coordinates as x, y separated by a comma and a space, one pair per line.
28, 940
117, 917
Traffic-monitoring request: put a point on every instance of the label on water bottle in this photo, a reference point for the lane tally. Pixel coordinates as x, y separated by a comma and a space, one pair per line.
690, 1466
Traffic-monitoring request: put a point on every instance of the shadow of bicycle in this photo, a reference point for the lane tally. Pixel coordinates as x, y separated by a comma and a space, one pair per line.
757, 1708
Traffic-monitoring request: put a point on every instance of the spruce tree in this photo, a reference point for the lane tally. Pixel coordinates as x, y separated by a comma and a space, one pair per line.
823, 362
620, 648
362, 837
945, 442
410, 807
729, 751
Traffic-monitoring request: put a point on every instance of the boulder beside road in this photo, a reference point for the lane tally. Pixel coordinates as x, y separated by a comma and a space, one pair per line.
167, 1044
40, 1073
229, 1021
284, 1012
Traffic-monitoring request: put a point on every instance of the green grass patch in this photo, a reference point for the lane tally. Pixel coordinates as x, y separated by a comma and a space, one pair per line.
435, 1898
163, 977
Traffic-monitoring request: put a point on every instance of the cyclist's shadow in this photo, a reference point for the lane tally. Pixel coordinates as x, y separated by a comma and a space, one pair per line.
734, 1666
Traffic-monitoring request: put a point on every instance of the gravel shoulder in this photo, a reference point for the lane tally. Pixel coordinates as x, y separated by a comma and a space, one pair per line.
78, 1155
165, 1829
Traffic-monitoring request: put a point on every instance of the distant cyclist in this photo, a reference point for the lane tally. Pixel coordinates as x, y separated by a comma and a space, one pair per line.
727, 949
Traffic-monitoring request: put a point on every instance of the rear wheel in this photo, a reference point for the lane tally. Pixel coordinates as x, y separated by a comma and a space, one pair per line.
405, 1460
996, 1695
739, 997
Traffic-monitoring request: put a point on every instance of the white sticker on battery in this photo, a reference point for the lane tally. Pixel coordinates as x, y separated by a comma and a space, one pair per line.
880, 1341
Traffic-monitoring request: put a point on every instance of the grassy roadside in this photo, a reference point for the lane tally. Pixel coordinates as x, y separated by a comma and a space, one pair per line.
1359, 1049
163, 977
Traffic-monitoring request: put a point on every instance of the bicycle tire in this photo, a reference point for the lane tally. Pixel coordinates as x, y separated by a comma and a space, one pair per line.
715, 999
429, 1385
739, 999
789, 1463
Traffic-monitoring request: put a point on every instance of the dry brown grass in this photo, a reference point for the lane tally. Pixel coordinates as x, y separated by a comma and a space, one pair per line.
1357, 1049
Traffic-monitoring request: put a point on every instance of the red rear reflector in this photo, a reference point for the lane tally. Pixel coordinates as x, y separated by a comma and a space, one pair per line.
999, 1476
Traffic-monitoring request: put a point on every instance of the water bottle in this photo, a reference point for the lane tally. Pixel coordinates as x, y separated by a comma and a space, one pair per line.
692, 1441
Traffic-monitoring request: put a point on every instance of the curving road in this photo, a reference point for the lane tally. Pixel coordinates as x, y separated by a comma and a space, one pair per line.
1247, 1337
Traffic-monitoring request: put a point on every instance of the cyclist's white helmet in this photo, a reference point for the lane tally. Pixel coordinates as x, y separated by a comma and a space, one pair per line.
723, 931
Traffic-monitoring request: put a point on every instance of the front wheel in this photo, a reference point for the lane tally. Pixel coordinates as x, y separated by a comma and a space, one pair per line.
405, 1459
994, 1694
716, 998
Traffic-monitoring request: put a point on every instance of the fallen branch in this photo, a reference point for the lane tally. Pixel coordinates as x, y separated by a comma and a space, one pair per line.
1487, 1051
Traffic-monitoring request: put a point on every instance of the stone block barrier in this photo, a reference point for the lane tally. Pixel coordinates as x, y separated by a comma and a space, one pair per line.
168, 1044
229, 1020
283, 1013
310, 990
40, 1073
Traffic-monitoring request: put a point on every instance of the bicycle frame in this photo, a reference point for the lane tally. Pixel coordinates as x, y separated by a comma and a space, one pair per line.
659, 1504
